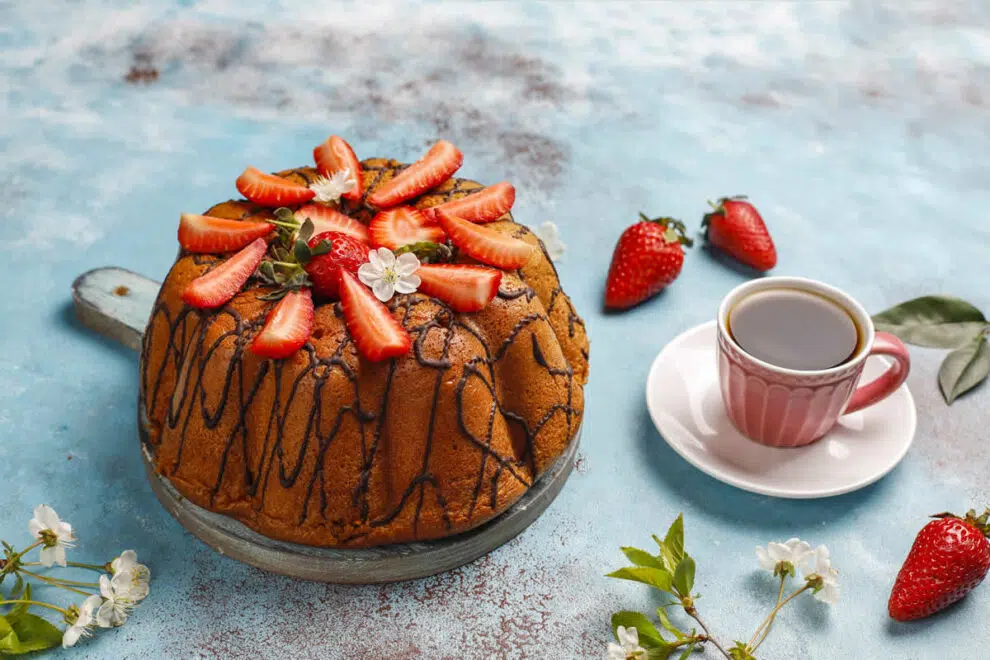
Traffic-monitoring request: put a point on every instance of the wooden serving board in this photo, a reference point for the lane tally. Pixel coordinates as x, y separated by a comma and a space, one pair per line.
117, 303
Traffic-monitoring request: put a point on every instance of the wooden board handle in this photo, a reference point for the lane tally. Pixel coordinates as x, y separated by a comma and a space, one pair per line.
116, 303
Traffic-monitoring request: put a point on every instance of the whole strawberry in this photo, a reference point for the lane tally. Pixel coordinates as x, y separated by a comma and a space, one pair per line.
736, 228
346, 252
949, 558
647, 258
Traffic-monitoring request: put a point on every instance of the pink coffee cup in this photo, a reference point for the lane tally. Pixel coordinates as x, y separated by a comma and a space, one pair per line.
784, 407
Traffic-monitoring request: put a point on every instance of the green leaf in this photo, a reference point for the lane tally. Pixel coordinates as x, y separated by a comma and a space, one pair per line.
649, 636
964, 368
306, 231
26, 633
667, 625
658, 578
20, 608
323, 247
660, 652
301, 252
684, 575
934, 321
688, 650
642, 557
672, 546
283, 214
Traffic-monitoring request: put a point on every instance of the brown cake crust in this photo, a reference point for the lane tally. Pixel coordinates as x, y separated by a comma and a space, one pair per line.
328, 449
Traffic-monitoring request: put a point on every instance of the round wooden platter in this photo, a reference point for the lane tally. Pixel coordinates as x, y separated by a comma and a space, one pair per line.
116, 303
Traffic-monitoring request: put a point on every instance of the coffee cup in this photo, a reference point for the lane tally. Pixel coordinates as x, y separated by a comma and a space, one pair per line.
791, 352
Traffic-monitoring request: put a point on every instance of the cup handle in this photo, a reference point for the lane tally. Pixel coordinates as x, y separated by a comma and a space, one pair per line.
884, 343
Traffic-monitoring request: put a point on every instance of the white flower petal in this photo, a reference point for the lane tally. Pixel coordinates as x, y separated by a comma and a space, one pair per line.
766, 563
376, 262
126, 561
387, 258
105, 589
383, 290
829, 594
48, 557
408, 283
369, 274
615, 652
628, 637
406, 264
35, 528
58, 554
778, 552
88, 610
46, 516
106, 617
71, 636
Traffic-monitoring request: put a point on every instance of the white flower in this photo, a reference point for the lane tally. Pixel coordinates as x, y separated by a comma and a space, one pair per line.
330, 188
84, 623
140, 574
56, 534
548, 233
790, 552
117, 600
628, 647
817, 566
387, 274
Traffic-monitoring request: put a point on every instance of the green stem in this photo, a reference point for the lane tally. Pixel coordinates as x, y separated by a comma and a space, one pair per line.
693, 613
34, 602
58, 582
767, 622
286, 264
773, 613
102, 568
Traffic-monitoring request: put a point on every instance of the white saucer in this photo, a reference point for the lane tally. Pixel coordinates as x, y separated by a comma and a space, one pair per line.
683, 398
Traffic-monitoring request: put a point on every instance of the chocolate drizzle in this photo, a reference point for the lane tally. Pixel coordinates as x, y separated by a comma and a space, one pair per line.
197, 373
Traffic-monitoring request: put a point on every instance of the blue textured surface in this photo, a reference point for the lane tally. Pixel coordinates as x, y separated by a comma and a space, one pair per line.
860, 132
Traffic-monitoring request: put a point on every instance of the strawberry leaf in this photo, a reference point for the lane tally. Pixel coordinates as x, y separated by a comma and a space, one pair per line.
301, 252
933, 321
964, 368
306, 231
323, 247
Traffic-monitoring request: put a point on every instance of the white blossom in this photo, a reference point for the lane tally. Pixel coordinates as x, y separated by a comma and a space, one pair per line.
628, 647
117, 600
387, 274
84, 623
139, 573
817, 565
56, 534
330, 188
550, 235
791, 551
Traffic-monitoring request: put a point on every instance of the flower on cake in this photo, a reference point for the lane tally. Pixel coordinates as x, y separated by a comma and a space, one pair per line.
628, 647
820, 576
330, 188
54, 533
550, 235
140, 575
387, 274
81, 621
782, 558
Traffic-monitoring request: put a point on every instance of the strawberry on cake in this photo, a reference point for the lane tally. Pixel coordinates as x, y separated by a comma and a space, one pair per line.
361, 353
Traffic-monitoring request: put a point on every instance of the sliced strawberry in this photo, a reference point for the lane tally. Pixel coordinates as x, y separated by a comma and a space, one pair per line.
485, 205
465, 288
334, 155
206, 234
438, 165
402, 226
485, 244
271, 190
287, 327
327, 219
375, 331
224, 282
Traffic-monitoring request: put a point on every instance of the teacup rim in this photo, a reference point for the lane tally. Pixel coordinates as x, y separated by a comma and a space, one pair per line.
834, 293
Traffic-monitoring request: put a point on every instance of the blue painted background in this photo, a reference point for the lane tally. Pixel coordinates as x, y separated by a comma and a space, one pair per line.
860, 131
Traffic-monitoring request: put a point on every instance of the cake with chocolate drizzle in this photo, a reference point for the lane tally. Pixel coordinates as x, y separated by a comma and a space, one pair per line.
361, 353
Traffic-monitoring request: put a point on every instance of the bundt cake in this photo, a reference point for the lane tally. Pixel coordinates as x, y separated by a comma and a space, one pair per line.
290, 380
